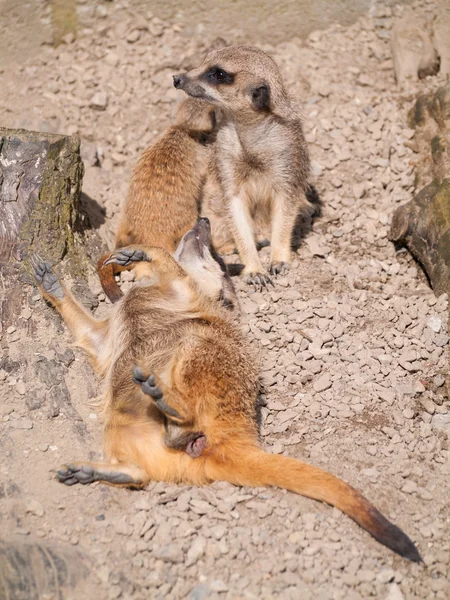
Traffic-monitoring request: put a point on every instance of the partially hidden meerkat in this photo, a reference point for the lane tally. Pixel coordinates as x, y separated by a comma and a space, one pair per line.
163, 200
259, 168
182, 385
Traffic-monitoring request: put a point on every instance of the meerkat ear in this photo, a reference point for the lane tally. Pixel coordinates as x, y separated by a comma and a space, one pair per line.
261, 97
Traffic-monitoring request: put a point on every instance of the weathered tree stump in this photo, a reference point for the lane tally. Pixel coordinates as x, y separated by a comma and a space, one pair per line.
423, 224
40, 186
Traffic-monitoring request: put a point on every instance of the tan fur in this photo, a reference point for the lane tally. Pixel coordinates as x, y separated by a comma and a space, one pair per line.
208, 374
259, 168
164, 195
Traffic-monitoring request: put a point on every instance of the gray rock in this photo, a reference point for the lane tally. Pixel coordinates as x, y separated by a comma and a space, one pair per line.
323, 383
196, 551
435, 324
410, 487
170, 553
99, 100
441, 423
200, 592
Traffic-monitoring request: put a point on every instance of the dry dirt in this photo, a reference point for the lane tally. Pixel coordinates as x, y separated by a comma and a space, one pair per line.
353, 341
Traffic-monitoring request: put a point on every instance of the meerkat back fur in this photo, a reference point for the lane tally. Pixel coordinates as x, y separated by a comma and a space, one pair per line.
163, 200
259, 167
181, 387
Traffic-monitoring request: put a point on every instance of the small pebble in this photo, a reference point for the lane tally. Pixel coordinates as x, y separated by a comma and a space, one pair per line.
21, 424
409, 487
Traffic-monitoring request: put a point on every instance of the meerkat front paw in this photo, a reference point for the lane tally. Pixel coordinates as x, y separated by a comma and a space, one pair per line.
279, 268
126, 256
46, 278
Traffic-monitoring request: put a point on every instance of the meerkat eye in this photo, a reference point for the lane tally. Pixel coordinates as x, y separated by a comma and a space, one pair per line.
217, 75
220, 75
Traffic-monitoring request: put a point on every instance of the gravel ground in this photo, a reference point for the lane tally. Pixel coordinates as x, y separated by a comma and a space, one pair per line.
353, 341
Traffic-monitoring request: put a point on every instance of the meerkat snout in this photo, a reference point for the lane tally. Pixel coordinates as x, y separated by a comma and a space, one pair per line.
177, 81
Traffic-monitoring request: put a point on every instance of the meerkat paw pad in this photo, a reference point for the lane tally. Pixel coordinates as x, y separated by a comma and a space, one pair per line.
279, 268
72, 474
125, 256
147, 383
259, 281
45, 277
150, 388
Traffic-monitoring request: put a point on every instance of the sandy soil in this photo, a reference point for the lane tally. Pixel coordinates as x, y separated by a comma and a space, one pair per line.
353, 341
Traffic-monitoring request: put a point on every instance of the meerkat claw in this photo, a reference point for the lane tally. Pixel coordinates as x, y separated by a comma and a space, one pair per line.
259, 281
280, 268
126, 256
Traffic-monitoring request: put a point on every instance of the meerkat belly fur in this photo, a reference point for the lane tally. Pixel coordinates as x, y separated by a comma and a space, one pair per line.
164, 197
182, 384
259, 168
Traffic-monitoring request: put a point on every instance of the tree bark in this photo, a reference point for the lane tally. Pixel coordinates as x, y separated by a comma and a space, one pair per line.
423, 225
40, 185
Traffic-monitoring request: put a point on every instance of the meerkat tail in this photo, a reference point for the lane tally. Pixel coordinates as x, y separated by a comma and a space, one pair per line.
254, 467
106, 275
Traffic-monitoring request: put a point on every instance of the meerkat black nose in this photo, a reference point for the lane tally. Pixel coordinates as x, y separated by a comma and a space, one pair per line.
177, 80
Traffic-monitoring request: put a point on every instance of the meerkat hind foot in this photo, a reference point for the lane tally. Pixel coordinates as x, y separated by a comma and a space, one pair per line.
45, 276
279, 268
85, 473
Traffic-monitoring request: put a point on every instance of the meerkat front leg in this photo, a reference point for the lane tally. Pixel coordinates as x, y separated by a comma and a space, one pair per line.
284, 216
242, 228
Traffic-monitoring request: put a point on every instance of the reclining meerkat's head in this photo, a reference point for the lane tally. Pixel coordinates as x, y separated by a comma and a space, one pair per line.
241, 79
198, 117
199, 259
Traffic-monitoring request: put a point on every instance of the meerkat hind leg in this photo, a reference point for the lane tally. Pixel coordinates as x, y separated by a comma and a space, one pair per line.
120, 474
87, 331
283, 223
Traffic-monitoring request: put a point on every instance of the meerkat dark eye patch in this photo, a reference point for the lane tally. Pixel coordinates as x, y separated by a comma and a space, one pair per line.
261, 97
216, 75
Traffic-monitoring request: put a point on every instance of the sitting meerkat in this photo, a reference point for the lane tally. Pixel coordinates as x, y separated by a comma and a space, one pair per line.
259, 166
163, 200
182, 384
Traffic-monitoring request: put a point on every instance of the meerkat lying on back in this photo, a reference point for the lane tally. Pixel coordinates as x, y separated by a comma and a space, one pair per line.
163, 201
259, 166
182, 385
